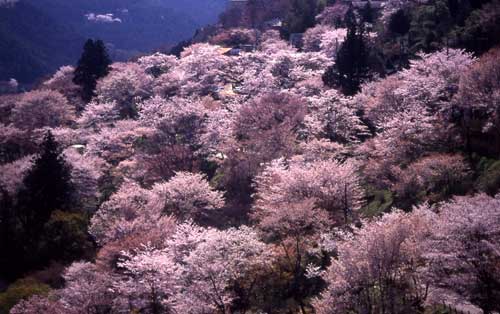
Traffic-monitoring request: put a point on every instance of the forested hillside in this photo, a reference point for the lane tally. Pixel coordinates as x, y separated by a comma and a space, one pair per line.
33, 44
307, 157
38, 36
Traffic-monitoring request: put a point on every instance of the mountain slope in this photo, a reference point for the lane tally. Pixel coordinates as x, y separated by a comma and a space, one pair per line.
33, 44
37, 36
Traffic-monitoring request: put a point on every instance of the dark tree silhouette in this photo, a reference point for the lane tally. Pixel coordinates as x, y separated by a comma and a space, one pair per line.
301, 16
8, 245
93, 64
399, 23
46, 187
351, 66
367, 13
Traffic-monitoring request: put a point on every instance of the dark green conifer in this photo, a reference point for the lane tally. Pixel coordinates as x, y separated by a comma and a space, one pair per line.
351, 66
93, 64
46, 187
399, 23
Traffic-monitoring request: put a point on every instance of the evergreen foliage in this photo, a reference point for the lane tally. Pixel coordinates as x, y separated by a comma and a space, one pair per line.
351, 66
46, 187
399, 23
93, 64
301, 16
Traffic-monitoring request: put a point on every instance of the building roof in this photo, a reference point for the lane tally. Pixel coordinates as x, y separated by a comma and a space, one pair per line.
224, 50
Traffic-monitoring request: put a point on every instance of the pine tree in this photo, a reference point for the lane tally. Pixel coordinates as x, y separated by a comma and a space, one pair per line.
46, 187
351, 65
93, 64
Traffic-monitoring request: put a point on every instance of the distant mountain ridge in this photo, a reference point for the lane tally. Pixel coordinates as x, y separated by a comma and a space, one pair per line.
38, 36
32, 43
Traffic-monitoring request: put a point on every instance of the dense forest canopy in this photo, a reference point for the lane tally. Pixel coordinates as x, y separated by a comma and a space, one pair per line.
298, 156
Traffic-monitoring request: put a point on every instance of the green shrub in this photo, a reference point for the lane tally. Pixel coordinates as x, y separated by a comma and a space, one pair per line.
65, 236
379, 201
21, 289
489, 178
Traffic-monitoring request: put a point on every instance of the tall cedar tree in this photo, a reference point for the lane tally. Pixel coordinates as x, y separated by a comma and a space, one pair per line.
47, 187
351, 65
93, 64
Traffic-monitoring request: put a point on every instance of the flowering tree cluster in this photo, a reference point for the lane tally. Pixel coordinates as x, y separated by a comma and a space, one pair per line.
477, 100
377, 267
462, 251
238, 182
403, 260
324, 38
333, 186
43, 108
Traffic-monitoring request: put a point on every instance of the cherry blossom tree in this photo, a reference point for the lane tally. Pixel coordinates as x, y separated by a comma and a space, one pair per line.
478, 98
430, 82
42, 108
87, 289
196, 271
204, 68
433, 78
126, 213
14, 143
433, 178
234, 37
13, 173
405, 138
463, 251
98, 115
37, 304
217, 136
117, 142
325, 39
313, 37
264, 129
271, 41
126, 84
294, 228
150, 280
332, 116
276, 68
333, 15
59, 81
187, 196
334, 186
62, 82
321, 149
377, 268
157, 64
177, 119
86, 171
214, 267
176, 125
391, 6
378, 100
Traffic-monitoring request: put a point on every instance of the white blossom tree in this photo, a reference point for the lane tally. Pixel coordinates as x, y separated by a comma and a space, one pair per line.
187, 196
